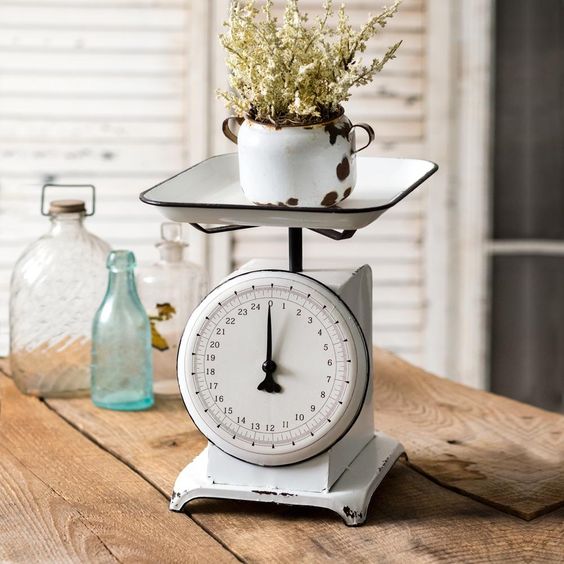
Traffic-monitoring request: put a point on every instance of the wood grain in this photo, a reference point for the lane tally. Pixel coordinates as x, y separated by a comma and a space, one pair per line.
71, 500
411, 518
38, 524
504, 453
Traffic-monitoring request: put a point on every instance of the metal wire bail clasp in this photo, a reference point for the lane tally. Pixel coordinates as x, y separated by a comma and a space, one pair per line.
91, 186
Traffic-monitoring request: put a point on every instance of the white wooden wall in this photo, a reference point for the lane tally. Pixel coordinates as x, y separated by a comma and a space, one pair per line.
119, 93
94, 91
394, 106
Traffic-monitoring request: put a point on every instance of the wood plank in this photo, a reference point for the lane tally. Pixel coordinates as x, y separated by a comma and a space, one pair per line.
82, 132
410, 519
507, 454
354, 254
106, 3
36, 519
87, 63
107, 107
53, 159
87, 488
114, 40
117, 41
97, 17
375, 107
452, 433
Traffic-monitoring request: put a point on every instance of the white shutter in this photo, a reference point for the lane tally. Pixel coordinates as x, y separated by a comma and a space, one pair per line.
393, 105
94, 92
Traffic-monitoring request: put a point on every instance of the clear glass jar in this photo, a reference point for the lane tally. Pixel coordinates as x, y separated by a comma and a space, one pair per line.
170, 290
122, 372
57, 285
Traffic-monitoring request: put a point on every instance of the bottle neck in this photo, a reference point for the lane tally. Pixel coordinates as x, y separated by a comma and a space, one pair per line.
122, 283
66, 224
171, 252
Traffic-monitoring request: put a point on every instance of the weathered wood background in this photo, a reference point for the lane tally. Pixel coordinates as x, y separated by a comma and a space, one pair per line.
110, 93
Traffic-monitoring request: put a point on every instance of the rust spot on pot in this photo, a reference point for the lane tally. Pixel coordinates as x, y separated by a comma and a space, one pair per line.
292, 201
330, 199
347, 193
343, 169
335, 130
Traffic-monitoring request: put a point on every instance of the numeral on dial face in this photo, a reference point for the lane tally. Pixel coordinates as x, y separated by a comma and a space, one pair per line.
275, 367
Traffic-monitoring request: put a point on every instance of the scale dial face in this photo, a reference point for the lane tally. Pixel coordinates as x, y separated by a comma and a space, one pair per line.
273, 367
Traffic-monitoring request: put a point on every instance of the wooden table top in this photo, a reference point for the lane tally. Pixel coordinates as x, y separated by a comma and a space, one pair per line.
484, 482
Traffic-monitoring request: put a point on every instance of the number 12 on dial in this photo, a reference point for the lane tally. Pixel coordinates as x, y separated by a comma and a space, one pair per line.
273, 367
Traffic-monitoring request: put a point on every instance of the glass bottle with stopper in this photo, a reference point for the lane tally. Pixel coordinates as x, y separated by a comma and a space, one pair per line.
56, 286
170, 290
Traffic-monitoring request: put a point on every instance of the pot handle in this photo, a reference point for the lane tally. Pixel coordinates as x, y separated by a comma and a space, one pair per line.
227, 130
368, 130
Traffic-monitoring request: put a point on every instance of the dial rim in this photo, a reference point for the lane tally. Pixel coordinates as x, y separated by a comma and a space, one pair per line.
344, 420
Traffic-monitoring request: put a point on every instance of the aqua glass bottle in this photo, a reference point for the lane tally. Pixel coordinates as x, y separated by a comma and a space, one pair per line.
122, 371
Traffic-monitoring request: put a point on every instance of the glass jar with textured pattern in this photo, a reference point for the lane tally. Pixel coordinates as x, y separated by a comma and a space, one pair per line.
57, 285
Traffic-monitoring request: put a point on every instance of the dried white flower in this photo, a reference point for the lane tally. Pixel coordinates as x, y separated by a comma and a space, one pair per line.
295, 72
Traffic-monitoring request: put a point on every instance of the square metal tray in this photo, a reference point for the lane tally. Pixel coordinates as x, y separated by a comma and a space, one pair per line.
209, 192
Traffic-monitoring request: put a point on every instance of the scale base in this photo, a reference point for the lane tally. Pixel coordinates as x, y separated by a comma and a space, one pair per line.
349, 496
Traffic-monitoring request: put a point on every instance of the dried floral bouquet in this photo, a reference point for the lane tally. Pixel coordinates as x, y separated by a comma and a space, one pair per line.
296, 72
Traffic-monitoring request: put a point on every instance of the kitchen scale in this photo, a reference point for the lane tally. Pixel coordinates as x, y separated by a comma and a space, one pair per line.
275, 364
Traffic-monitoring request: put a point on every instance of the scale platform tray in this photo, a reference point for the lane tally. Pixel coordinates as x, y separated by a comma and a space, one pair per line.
210, 193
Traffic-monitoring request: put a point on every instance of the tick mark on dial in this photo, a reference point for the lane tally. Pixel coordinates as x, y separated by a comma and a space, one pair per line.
219, 425
293, 443
272, 445
312, 434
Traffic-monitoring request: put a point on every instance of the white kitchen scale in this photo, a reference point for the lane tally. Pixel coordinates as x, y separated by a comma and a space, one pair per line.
275, 364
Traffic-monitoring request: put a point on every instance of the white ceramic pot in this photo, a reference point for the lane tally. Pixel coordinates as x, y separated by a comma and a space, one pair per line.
306, 166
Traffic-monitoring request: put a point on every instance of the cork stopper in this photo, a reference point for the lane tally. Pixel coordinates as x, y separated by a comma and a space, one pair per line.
67, 206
